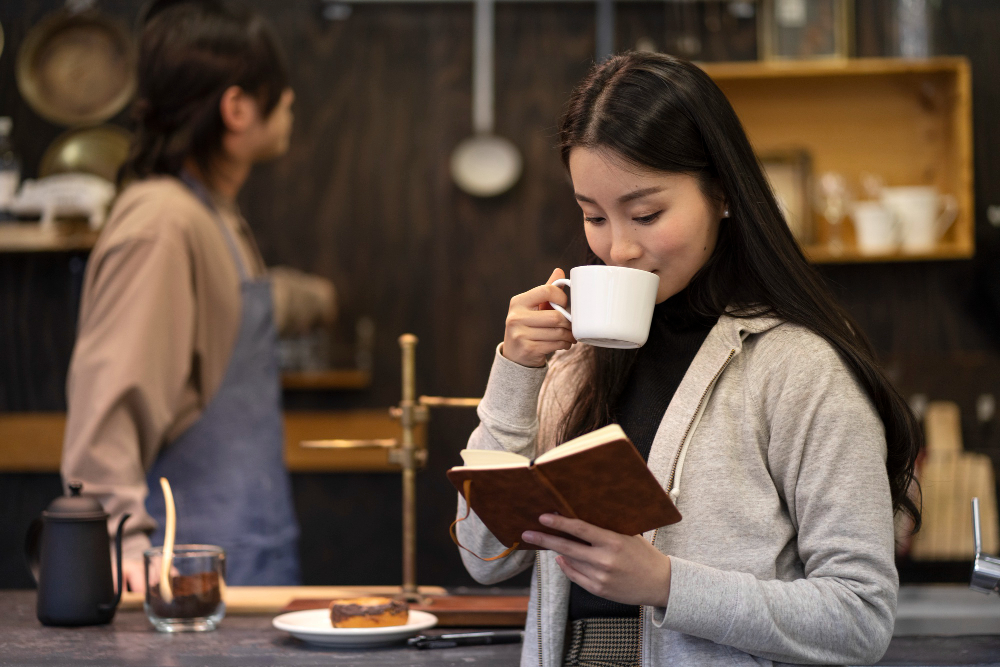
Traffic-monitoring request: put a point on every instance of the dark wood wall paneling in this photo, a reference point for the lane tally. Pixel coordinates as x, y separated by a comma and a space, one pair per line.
364, 198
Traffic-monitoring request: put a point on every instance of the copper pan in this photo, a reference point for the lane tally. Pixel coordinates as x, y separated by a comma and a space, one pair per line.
77, 68
97, 150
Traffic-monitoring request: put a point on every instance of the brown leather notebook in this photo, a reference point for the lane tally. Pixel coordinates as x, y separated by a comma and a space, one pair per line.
598, 477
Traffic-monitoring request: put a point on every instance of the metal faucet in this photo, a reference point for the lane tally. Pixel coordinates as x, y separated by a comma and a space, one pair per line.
985, 569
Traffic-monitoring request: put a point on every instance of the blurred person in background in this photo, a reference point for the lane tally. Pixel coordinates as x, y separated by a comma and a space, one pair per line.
175, 372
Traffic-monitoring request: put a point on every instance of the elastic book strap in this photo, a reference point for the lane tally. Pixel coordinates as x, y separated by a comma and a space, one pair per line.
453, 529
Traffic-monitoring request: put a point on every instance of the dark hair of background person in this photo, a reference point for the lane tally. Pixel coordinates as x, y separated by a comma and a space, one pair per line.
190, 53
660, 112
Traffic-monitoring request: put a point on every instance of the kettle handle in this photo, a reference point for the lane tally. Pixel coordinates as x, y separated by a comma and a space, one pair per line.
32, 541
108, 606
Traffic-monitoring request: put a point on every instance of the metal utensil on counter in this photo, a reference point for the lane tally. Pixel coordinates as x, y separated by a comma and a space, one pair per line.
456, 639
100, 150
77, 66
484, 165
985, 569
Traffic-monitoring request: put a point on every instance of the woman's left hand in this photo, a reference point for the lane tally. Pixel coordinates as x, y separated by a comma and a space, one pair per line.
623, 568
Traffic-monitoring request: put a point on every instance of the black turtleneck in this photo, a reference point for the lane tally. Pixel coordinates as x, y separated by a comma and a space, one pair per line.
675, 336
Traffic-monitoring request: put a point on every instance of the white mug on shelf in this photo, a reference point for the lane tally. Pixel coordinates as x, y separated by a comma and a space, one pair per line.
924, 215
611, 306
876, 228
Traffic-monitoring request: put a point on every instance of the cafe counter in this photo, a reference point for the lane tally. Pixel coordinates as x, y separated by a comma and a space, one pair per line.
240, 641
247, 640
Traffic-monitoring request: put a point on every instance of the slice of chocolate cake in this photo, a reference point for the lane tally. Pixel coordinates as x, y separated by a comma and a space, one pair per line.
371, 612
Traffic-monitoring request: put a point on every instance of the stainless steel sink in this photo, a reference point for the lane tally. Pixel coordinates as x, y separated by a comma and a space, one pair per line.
954, 610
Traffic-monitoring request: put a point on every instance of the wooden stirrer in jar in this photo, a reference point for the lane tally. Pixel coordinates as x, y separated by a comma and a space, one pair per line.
168, 542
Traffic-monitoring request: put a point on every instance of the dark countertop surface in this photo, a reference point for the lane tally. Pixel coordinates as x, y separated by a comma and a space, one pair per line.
240, 641
246, 641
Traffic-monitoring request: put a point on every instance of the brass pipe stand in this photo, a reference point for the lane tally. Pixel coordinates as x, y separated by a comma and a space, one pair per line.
410, 412
413, 411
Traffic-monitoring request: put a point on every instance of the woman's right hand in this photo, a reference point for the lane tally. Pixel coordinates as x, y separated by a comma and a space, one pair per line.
534, 330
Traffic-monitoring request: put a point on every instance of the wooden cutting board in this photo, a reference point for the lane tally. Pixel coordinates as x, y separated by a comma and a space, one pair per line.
454, 611
272, 599
949, 479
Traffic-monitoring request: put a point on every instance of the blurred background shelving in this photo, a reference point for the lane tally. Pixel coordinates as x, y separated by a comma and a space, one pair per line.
364, 198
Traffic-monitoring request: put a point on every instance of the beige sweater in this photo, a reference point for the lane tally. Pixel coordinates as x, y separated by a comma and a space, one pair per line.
785, 550
159, 316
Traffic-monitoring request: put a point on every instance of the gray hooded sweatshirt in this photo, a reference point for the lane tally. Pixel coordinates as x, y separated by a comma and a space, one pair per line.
775, 457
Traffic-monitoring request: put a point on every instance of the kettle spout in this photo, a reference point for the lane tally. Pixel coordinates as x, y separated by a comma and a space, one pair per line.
111, 606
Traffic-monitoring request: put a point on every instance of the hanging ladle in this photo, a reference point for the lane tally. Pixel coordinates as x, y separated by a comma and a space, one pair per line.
484, 165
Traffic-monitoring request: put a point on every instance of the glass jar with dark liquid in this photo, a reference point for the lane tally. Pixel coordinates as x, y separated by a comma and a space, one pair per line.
197, 580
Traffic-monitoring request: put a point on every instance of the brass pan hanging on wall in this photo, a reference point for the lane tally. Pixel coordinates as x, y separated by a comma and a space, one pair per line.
97, 150
77, 68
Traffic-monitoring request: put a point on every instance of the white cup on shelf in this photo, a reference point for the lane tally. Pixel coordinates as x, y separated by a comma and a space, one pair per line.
924, 215
610, 306
876, 228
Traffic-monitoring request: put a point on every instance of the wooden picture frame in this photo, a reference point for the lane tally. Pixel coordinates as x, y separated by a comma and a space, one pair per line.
790, 174
805, 29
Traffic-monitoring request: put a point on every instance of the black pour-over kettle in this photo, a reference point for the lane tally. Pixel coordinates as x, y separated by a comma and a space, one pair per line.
69, 553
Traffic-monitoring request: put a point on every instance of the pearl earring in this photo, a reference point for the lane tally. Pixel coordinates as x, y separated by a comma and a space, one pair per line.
725, 214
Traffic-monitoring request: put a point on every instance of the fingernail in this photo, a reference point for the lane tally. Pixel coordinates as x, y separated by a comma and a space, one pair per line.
545, 519
529, 536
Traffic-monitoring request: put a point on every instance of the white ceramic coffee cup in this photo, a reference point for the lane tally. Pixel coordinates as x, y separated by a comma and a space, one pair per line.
876, 227
611, 306
924, 215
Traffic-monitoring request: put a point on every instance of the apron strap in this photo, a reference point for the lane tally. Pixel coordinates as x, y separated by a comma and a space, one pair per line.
199, 190
452, 529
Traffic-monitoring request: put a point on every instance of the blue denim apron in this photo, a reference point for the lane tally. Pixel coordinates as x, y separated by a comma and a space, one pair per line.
227, 471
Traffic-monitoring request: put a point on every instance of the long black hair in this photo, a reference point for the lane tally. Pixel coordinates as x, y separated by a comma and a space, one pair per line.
663, 113
190, 53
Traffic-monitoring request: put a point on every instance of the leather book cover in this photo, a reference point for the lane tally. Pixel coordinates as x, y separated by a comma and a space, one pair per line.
611, 487
608, 485
508, 500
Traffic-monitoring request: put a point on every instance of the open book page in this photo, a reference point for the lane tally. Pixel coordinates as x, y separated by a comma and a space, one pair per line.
609, 433
490, 458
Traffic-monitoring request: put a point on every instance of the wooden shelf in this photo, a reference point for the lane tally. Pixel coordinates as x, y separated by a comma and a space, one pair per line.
906, 120
303, 426
32, 237
32, 441
348, 378
822, 254
755, 69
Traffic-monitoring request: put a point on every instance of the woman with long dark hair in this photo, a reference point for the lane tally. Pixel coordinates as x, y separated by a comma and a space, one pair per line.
756, 401
174, 373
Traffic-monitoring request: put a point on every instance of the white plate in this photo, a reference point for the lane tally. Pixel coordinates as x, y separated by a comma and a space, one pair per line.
313, 626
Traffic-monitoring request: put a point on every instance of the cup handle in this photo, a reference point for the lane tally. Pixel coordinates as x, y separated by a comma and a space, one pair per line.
565, 313
947, 217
